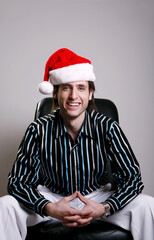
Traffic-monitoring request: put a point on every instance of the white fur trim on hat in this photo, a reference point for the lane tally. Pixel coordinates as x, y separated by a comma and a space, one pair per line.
72, 73
45, 87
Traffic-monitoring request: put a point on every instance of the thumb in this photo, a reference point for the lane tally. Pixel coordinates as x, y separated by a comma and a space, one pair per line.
82, 198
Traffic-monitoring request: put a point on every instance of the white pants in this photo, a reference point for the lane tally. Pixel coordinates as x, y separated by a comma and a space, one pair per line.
137, 216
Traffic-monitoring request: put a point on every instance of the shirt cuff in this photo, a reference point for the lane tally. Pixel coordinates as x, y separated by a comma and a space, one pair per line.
114, 204
40, 205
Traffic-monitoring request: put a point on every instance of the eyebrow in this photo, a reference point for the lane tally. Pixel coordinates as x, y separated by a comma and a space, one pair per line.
80, 85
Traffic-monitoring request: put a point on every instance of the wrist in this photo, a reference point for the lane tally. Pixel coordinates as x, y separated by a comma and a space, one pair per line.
47, 209
107, 209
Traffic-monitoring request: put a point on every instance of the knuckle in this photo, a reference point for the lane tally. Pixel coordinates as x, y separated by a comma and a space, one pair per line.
69, 213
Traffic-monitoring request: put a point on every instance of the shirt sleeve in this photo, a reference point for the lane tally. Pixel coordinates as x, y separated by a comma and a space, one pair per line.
24, 177
126, 169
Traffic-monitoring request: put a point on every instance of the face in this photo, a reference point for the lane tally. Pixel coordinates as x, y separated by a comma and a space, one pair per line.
73, 99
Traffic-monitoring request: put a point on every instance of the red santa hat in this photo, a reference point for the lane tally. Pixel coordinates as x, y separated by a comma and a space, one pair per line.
65, 66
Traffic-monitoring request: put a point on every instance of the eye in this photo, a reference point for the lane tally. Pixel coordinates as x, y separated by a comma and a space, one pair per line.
66, 87
82, 88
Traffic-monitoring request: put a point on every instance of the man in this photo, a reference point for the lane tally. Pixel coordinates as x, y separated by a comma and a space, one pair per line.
60, 169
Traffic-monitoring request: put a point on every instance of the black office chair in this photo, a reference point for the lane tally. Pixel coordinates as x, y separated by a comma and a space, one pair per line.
97, 230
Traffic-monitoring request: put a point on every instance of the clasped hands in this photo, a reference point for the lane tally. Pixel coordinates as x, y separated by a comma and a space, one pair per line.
71, 217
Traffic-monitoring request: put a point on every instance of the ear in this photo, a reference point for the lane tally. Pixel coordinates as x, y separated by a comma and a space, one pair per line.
90, 94
55, 94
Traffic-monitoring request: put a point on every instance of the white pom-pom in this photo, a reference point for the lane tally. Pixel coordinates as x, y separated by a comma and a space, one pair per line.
45, 87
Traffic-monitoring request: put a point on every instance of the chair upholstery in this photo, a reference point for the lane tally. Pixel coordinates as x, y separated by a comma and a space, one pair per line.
96, 230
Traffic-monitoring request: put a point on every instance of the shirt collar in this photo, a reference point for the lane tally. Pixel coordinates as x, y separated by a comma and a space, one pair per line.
60, 129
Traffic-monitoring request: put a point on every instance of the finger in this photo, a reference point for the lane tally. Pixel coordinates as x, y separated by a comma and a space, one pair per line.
70, 224
84, 221
76, 218
71, 197
80, 223
82, 198
83, 213
76, 212
74, 224
71, 218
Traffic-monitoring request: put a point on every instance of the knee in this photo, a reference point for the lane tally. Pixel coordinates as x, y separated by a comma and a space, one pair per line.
143, 201
143, 198
8, 201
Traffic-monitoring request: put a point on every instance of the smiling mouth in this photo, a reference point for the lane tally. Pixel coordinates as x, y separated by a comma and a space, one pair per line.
73, 104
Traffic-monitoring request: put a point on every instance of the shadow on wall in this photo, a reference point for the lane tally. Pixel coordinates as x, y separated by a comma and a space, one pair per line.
8, 150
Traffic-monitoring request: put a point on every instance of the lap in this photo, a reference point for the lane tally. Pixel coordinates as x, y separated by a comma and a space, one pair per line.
120, 218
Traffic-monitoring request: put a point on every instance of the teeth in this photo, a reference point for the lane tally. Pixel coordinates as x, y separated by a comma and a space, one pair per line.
73, 104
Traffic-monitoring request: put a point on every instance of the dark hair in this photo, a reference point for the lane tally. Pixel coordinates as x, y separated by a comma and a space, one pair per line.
91, 105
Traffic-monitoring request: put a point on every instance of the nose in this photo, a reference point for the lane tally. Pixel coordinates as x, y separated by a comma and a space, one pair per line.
73, 93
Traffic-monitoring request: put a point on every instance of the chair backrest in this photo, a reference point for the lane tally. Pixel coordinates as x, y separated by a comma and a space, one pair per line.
105, 106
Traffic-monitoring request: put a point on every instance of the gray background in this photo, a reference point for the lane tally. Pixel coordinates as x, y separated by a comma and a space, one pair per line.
117, 35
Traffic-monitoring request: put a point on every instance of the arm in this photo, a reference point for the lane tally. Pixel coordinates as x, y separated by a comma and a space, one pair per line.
126, 169
24, 177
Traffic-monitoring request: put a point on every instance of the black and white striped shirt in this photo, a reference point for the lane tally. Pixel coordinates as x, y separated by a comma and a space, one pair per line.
49, 156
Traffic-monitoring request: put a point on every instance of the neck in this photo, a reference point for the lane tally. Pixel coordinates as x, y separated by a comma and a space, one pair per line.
74, 125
